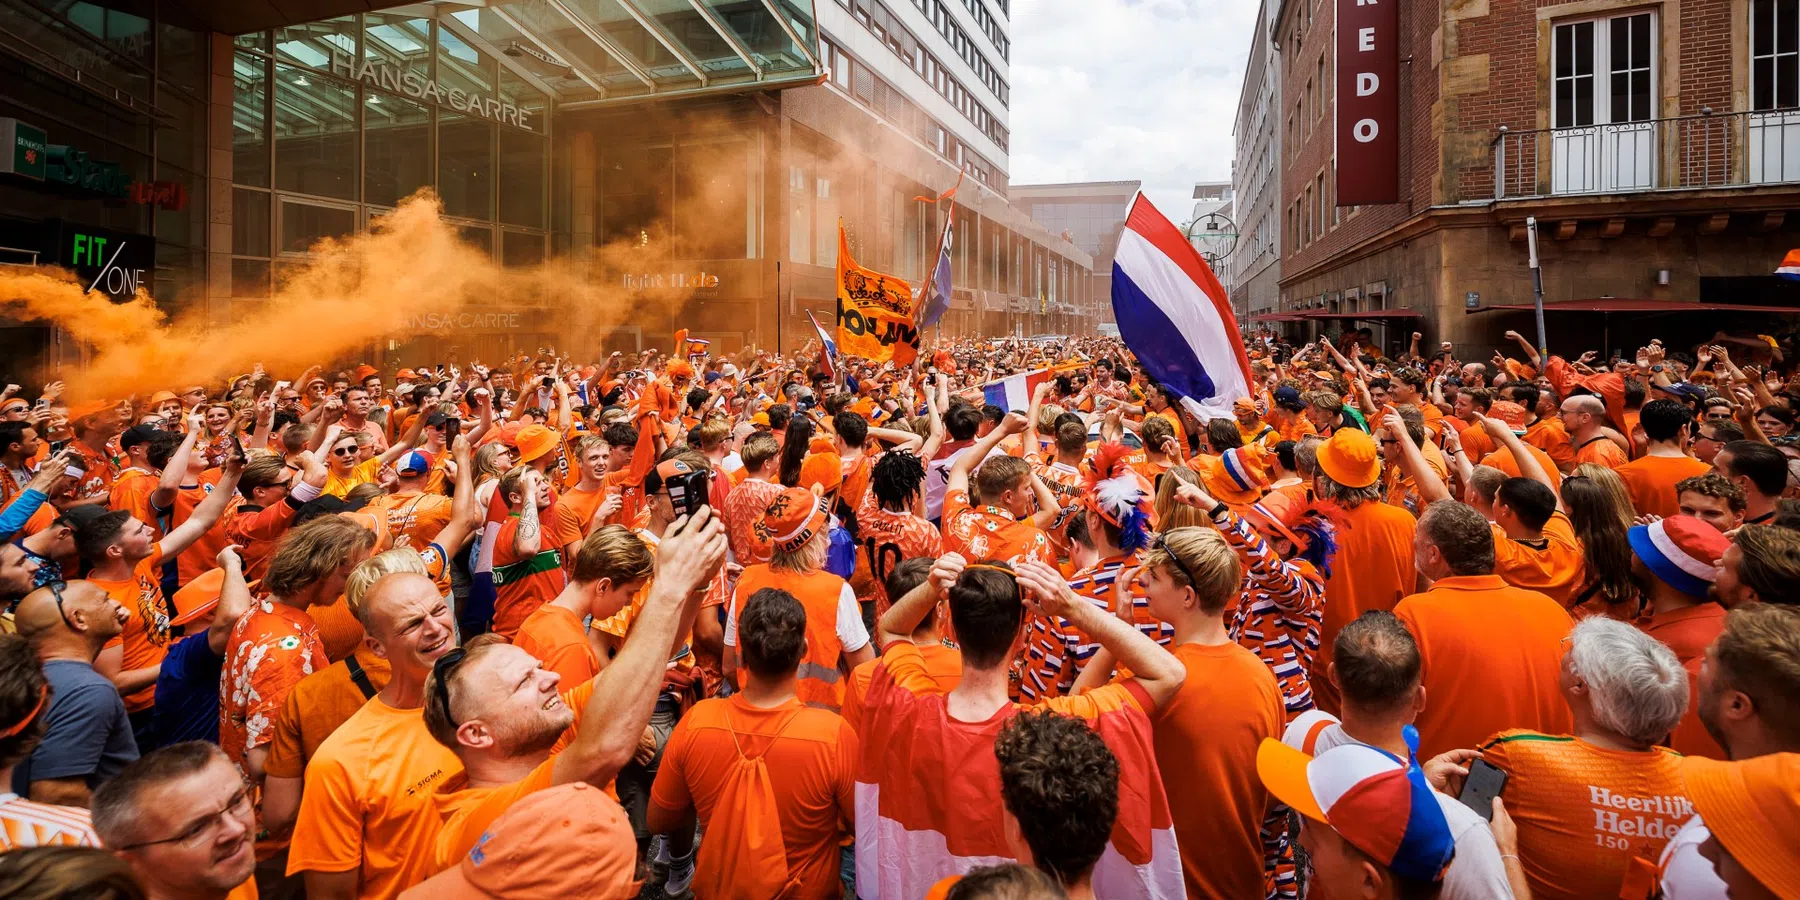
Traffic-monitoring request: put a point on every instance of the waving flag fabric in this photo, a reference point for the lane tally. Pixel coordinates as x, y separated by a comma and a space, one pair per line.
828, 355
1175, 316
1013, 393
1790, 266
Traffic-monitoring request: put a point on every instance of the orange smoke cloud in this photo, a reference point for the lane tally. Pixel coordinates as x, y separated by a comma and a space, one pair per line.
352, 291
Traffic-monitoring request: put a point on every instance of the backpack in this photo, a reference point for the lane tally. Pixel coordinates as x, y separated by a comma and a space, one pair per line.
743, 856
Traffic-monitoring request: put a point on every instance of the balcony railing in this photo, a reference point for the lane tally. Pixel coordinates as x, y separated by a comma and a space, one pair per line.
1709, 150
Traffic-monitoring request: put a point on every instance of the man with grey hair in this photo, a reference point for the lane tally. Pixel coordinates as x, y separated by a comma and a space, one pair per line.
184, 819
1491, 651
1593, 808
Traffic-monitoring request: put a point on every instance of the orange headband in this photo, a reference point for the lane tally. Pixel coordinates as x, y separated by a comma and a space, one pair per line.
11, 730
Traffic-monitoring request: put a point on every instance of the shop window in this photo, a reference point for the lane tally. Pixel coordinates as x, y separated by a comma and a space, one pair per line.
305, 224
519, 249
478, 236
634, 203
315, 134
522, 170
250, 120
249, 278
249, 223
466, 165
398, 144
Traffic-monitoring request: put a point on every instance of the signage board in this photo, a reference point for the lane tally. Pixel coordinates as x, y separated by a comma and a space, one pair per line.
116, 263
409, 82
24, 149
1368, 102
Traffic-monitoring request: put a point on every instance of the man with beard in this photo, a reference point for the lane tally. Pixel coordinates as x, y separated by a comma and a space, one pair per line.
500, 711
1749, 702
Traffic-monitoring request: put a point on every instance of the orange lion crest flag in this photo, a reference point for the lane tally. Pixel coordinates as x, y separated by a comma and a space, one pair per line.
874, 312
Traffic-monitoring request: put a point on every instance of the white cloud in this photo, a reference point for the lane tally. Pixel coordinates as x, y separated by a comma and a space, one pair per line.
1119, 90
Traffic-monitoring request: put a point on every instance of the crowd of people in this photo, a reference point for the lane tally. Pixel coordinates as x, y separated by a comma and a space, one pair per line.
756, 626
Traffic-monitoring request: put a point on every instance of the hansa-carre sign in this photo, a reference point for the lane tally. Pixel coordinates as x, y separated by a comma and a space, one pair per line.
1368, 102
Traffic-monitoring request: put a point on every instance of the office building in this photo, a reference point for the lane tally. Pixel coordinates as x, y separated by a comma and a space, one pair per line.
1255, 263
1092, 215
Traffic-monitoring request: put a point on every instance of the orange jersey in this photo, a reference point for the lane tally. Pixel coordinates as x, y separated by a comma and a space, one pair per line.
1585, 812
202, 554
889, 538
522, 584
990, 533
131, 492
1491, 655
145, 640
743, 506
1549, 436
316, 707
416, 516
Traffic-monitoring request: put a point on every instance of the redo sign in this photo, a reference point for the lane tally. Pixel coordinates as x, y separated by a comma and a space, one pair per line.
1368, 102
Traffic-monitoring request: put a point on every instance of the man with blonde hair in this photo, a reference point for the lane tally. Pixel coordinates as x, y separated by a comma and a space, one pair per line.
612, 565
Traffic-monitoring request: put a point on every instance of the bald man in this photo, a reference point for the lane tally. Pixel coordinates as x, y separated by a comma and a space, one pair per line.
88, 737
1584, 418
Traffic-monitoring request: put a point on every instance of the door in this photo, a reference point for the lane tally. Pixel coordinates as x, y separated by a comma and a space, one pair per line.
1603, 77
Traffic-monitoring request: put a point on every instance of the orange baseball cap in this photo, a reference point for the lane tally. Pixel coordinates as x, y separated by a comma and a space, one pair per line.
406, 373
823, 469
791, 521
566, 841
1752, 808
161, 397
363, 372
1511, 413
534, 441
761, 419
1350, 458
200, 596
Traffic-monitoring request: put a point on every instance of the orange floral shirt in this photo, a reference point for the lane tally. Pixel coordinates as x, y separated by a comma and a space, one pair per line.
271, 648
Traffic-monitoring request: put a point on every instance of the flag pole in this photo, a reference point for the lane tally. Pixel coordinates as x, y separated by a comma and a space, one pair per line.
1537, 284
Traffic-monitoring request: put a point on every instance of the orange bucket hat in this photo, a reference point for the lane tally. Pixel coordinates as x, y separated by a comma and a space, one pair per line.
535, 441
1350, 458
1752, 808
823, 469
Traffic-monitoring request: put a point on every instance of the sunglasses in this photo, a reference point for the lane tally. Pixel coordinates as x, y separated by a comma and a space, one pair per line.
56, 591
344, 451
442, 670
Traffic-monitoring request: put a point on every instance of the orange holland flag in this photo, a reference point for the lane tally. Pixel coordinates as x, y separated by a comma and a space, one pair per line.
874, 312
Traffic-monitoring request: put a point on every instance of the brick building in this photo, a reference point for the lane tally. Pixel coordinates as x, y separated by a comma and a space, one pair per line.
1656, 143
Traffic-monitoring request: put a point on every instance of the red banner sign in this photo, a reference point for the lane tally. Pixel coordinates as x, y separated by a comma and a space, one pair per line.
1368, 102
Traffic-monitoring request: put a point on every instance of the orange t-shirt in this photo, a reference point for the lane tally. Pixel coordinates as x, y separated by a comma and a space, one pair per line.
522, 585
1553, 565
1549, 436
632, 509
131, 492
1651, 480
811, 755
202, 554
315, 708
1584, 812
556, 637
145, 640
1475, 441
822, 594
339, 629
990, 533
1373, 570
575, 508
1503, 460
1206, 740
942, 662
1600, 450
1491, 657
417, 515
366, 805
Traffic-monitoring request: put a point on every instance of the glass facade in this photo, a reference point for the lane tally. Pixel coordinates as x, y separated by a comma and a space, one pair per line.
334, 122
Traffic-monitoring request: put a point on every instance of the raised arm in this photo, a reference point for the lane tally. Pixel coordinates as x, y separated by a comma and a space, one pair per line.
958, 479
206, 514
1431, 487
234, 600
903, 618
176, 468
1157, 670
1529, 467
528, 538
1531, 353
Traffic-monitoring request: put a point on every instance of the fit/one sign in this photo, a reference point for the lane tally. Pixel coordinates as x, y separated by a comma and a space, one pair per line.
114, 262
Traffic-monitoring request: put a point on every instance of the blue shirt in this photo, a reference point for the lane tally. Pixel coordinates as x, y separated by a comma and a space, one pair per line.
187, 692
86, 734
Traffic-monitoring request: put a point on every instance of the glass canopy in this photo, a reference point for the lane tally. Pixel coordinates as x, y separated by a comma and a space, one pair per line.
590, 52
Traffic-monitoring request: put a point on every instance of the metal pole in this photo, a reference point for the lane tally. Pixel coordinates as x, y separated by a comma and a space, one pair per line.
1537, 284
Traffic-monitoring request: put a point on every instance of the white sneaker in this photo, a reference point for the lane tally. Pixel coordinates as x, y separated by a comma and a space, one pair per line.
681, 876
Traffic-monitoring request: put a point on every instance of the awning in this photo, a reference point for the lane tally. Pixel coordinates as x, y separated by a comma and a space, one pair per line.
1628, 305
1304, 315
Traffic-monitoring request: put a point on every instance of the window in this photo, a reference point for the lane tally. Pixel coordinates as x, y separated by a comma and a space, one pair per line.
1774, 54
1319, 198
1603, 71
1319, 80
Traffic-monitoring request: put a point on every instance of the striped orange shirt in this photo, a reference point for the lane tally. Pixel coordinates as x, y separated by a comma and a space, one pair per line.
27, 824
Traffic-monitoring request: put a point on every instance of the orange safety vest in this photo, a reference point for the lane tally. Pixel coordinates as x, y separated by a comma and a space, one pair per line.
821, 682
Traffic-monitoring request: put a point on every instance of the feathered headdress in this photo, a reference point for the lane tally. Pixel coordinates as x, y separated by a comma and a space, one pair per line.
1112, 491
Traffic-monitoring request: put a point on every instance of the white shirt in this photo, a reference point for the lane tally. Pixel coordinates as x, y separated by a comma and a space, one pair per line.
852, 634
1477, 872
1686, 875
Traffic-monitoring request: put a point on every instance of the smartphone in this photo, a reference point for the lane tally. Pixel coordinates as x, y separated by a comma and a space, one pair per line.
548, 381
452, 428
687, 493
1485, 782
42, 403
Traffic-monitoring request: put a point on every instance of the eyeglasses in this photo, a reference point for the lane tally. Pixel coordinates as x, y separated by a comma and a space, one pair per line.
343, 451
442, 670
205, 830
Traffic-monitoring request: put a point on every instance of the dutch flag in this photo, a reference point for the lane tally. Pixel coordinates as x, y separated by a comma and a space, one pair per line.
1175, 316
1013, 393
1790, 266
828, 355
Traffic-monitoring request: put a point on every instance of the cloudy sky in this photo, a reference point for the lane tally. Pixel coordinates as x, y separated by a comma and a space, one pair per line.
1110, 90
